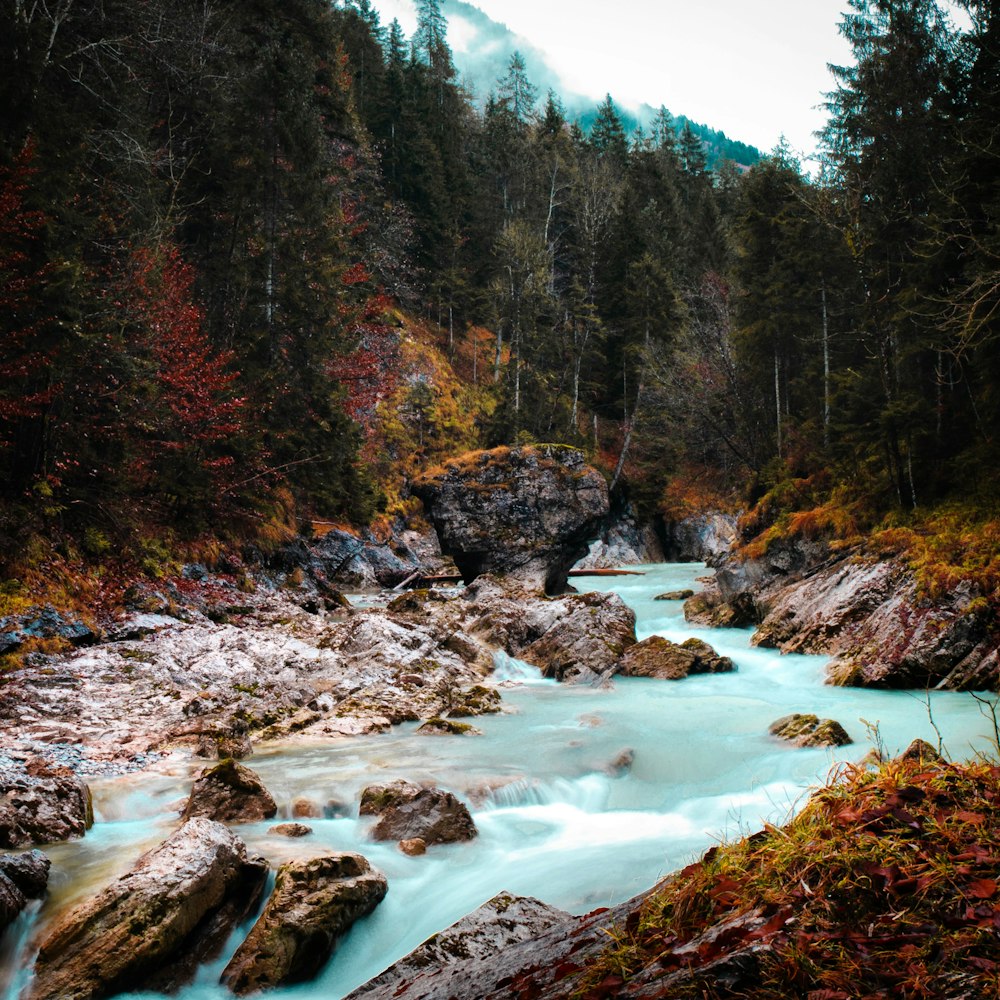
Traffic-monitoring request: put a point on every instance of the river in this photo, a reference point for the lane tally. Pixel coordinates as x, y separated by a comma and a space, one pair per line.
556, 819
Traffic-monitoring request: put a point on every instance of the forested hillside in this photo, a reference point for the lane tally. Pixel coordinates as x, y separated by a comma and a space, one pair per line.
260, 261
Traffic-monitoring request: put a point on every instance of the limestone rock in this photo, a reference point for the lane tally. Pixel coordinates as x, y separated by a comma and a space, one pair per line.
28, 871
149, 928
624, 542
525, 512
586, 642
810, 731
447, 727
42, 803
314, 903
660, 658
406, 811
703, 538
675, 595
498, 925
230, 793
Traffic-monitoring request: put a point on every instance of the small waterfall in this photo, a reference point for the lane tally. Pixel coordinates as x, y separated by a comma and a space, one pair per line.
588, 793
506, 668
16, 946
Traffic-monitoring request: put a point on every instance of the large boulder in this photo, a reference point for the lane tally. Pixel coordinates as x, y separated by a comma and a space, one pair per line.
502, 922
524, 512
407, 812
699, 538
230, 793
586, 642
660, 658
43, 623
150, 928
314, 903
42, 803
22, 877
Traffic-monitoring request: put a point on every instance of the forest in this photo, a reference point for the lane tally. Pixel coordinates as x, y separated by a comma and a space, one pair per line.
262, 262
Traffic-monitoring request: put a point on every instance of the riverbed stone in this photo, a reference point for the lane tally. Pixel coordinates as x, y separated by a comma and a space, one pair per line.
42, 803
151, 926
674, 595
406, 811
314, 903
809, 731
291, 830
658, 657
527, 513
230, 793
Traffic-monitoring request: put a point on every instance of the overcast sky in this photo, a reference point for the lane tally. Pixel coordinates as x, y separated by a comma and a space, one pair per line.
754, 70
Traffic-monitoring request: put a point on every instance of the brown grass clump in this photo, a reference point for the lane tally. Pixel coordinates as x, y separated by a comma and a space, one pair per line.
886, 884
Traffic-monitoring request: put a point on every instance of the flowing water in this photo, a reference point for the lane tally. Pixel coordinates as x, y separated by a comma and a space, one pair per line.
559, 815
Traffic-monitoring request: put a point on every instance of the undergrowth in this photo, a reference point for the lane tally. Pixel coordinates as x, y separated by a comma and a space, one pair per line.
886, 884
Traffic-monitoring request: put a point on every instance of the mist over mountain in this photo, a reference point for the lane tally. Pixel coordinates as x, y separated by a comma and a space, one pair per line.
482, 49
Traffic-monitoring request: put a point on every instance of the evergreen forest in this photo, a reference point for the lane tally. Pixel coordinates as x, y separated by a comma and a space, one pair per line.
260, 263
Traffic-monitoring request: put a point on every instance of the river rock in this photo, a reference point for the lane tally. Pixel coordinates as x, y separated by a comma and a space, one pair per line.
660, 658
675, 595
586, 642
42, 803
291, 830
499, 924
527, 513
809, 731
447, 727
22, 877
314, 903
150, 927
414, 847
43, 623
923, 753
230, 793
406, 811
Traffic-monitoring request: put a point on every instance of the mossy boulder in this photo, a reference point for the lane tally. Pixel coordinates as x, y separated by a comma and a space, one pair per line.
407, 811
476, 700
658, 657
313, 904
447, 727
675, 595
230, 793
810, 731
527, 513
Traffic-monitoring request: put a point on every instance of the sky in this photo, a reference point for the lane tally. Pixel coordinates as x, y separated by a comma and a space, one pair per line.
755, 70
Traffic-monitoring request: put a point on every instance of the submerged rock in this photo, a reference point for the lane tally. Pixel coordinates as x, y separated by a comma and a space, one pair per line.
151, 927
810, 731
314, 903
230, 793
675, 595
660, 658
22, 877
447, 727
406, 811
291, 830
527, 513
42, 803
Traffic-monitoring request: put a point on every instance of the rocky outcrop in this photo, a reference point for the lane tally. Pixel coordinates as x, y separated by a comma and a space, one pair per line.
43, 623
869, 615
704, 538
150, 928
510, 947
624, 542
22, 877
41, 803
313, 904
230, 793
809, 731
528, 513
502, 923
660, 658
406, 811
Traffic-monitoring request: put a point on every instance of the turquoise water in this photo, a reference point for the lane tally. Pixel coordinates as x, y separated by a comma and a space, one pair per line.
556, 820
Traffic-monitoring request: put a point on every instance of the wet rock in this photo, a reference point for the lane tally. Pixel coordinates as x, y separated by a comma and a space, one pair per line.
448, 727
675, 595
527, 513
306, 809
230, 793
660, 658
291, 830
150, 927
406, 811
498, 925
923, 753
586, 641
28, 871
42, 803
414, 847
314, 903
621, 763
477, 700
624, 542
43, 623
810, 731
